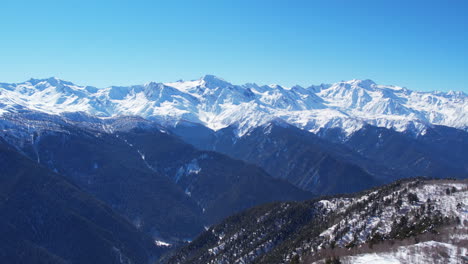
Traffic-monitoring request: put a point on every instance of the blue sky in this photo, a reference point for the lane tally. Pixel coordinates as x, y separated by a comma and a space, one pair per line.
422, 45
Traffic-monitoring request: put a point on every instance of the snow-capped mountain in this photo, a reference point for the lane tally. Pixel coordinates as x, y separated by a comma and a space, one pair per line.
216, 103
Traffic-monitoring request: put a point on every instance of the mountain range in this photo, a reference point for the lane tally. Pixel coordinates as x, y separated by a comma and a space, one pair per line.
165, 161
216, 104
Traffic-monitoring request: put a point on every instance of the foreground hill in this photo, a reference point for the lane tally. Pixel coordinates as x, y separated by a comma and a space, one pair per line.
425, 214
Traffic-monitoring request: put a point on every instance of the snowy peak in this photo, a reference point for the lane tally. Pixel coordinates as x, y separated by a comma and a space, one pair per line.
52, 81
216, 103
366, 84
211, 81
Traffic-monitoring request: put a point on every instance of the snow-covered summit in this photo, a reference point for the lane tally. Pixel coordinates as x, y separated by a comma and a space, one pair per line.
217, 103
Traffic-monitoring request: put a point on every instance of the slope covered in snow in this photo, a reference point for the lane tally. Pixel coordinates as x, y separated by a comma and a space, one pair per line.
421, 253
217, 104
423, 220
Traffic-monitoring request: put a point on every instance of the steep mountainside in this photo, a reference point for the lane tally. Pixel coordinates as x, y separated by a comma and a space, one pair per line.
379, 220
289, 153
164, 186
47, 219
327, 164
441, 152
219, 185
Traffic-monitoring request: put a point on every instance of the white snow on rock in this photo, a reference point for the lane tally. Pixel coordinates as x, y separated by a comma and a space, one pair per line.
187, 169
161, 243
421, 253
452, 205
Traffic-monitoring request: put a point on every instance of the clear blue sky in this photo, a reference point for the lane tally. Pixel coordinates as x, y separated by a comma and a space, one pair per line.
422, 45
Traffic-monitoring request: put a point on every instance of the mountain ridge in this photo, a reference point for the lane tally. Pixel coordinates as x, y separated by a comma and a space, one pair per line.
217, 104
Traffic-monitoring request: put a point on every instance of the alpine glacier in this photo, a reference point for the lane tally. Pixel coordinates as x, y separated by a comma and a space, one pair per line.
216, 103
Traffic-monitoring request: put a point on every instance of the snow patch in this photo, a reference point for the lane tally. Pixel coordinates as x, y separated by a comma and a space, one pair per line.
161, 243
